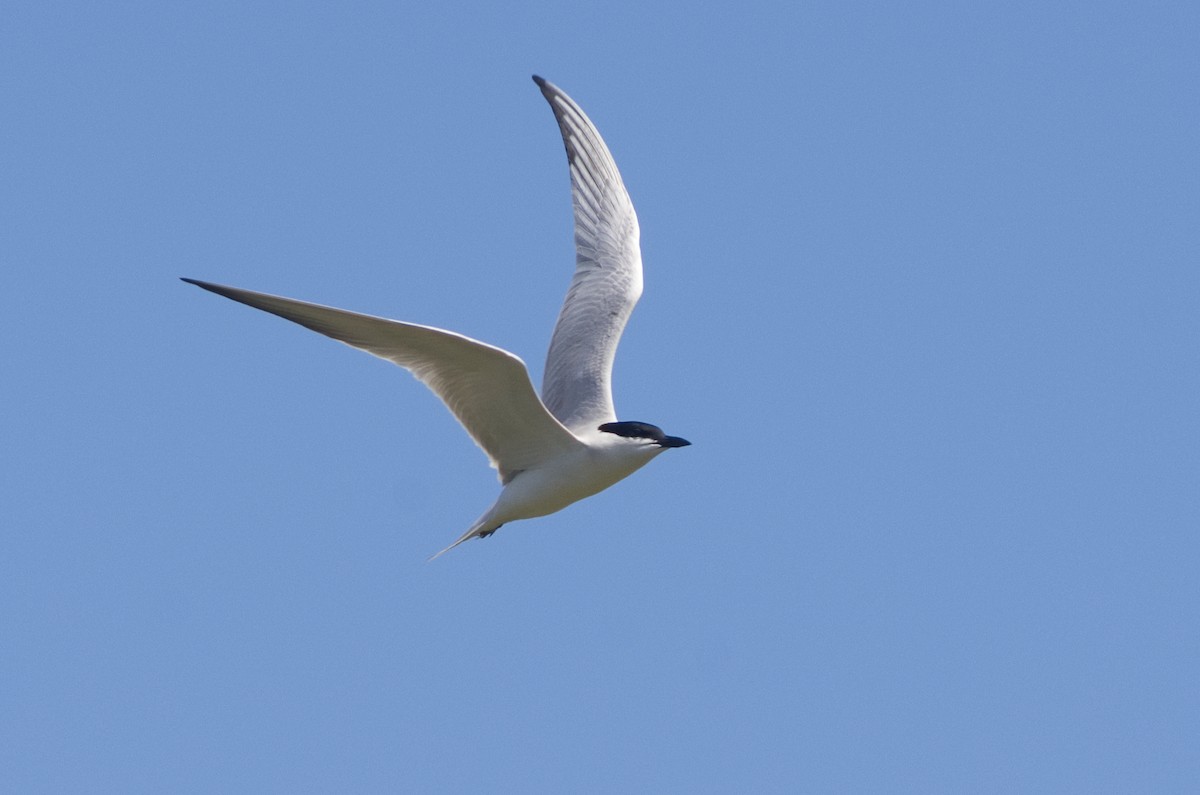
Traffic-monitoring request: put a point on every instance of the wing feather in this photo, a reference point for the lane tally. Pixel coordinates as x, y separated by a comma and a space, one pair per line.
577, 386
486, 388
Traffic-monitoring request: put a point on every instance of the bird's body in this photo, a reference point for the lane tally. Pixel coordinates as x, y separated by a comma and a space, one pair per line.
602, 461
567, 445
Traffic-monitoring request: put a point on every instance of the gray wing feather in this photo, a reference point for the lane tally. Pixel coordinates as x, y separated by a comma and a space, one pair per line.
577, 385
486, 388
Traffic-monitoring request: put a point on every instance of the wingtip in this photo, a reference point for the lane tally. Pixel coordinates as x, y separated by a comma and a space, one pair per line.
548, 89
212, 288
197, 282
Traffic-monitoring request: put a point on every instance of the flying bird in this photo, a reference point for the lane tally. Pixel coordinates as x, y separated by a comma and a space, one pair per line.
568, 444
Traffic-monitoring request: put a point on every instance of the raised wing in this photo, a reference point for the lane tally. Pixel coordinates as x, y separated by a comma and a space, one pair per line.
577, 386
487, 388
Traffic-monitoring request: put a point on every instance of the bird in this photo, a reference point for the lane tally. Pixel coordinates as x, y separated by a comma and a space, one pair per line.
566, 445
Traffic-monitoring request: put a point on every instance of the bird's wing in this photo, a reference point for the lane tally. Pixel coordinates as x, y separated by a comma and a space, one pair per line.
577, 386
487, 388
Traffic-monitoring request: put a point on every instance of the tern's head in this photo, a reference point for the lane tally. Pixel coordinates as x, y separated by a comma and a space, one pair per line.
644, 431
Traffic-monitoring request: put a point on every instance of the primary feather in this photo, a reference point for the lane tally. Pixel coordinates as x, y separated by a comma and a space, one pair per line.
577, 385
485, 387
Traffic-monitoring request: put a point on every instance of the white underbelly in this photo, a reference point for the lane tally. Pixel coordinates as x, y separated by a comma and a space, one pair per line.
542, 491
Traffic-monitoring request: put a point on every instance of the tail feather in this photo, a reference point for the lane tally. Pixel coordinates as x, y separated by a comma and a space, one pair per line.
482, 527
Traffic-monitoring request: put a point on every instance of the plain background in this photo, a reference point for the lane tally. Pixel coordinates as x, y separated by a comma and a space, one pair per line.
921, 287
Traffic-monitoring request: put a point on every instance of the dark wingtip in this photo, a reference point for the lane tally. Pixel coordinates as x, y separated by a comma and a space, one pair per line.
212, 288
546, 86
198, 283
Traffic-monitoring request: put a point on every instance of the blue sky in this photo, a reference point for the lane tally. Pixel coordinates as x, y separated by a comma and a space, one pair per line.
921, 287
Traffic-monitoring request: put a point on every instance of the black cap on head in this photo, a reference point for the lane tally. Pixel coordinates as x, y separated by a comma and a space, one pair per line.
644, 430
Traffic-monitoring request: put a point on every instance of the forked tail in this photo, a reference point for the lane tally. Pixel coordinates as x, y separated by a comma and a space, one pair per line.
483, 526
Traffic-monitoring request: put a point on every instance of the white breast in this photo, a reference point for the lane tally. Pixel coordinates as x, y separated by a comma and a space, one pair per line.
605, 460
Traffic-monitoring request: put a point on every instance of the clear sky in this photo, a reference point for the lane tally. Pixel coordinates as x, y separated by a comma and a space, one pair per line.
922, 288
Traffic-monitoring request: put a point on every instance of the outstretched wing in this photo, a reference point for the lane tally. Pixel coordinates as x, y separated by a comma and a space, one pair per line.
577, 386
487, 388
